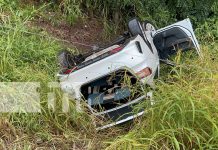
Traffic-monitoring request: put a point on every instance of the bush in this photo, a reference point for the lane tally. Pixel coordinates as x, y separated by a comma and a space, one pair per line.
161, 11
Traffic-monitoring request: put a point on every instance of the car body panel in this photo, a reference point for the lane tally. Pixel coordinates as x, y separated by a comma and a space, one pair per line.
128, 58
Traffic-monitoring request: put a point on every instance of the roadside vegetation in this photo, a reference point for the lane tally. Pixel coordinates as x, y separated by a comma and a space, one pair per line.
185, 114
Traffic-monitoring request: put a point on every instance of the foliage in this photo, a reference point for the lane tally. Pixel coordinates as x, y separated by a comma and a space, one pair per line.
71, 9
209, 25
29, 55
162, 12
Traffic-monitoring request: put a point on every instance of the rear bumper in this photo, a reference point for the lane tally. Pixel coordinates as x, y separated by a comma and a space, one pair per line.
120, 121
121, 114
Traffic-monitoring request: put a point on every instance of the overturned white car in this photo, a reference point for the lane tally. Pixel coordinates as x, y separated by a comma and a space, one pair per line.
108, 78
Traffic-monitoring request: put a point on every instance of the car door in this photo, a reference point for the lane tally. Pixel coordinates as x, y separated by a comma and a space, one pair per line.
178, 36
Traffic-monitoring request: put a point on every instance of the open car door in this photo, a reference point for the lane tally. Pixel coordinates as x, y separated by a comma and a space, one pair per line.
179, 36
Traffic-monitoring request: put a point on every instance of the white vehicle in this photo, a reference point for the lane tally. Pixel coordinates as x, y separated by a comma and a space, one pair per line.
98, 78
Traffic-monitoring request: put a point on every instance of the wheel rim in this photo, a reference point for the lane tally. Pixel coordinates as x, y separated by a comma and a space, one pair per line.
149, 27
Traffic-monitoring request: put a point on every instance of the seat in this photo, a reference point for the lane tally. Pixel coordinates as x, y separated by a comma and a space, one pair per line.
168, 42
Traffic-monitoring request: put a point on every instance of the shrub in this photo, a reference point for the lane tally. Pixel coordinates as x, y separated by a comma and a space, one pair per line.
161, 11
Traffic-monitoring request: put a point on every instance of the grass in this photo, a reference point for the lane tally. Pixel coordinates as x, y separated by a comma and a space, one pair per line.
29, 55
184, 115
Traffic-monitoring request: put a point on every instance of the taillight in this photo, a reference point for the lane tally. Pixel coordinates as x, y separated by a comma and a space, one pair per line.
115, 50
68, 71
144, 72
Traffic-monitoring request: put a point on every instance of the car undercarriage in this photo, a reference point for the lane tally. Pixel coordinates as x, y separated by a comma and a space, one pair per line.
112, 80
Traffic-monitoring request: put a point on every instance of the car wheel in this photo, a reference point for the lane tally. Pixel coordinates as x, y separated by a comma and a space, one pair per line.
65, 59
135, 27
148, 26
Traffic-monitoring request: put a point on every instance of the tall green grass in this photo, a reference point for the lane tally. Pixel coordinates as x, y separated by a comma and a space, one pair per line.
185, 114
29, 55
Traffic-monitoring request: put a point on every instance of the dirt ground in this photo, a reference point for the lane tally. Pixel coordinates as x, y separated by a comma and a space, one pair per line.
81, 35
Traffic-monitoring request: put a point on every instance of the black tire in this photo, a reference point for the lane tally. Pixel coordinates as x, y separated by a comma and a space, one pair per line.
65, 59
135, 27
